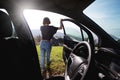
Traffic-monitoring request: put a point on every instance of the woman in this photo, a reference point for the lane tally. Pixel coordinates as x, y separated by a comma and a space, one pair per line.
47, 32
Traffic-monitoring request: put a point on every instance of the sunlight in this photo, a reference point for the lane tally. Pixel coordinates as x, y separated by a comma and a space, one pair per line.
35, 18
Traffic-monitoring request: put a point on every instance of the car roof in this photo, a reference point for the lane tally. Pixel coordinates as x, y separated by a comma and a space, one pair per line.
68, 5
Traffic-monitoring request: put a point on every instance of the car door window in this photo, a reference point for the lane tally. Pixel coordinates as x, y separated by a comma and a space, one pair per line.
74, 31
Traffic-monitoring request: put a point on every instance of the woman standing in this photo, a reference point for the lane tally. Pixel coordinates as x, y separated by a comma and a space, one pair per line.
47, 32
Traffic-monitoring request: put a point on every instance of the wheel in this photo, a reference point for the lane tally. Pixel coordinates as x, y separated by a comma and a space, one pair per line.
78, 62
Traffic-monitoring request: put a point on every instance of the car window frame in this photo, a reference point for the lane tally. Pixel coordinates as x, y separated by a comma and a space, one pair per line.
82, 27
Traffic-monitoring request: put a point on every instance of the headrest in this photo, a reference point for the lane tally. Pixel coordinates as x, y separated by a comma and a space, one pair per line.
5, 25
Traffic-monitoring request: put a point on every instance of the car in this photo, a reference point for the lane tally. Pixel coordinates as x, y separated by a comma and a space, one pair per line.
89, 51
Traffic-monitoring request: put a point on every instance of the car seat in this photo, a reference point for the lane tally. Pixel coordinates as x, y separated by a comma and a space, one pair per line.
8, 57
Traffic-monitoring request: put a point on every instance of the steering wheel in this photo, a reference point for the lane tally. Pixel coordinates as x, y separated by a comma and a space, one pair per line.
78, 62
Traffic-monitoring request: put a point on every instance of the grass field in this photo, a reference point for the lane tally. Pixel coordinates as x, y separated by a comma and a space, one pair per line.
57, 64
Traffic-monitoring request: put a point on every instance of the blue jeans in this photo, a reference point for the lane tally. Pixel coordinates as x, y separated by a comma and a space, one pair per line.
45, 50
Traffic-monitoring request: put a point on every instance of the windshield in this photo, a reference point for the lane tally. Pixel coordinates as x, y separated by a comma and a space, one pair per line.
107, 15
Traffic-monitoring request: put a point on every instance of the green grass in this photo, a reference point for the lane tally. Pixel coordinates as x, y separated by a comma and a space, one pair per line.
57, 64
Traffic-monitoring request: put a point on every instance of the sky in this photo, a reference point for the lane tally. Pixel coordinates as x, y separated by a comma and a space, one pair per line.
35, 18
105, 13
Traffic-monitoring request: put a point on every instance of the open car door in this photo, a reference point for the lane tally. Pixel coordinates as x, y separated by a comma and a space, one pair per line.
74, 32
77, 49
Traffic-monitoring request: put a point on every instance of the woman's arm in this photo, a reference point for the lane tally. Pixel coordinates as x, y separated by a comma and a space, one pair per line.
61, 26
